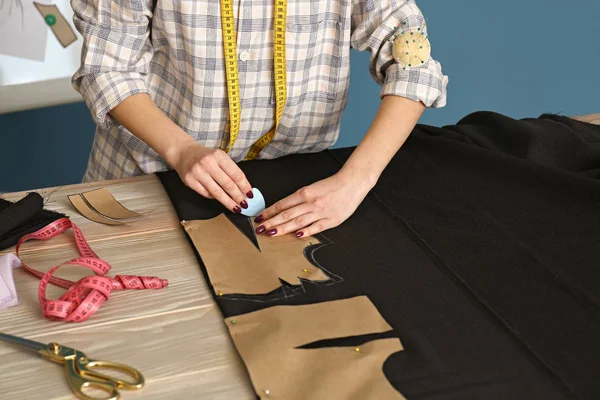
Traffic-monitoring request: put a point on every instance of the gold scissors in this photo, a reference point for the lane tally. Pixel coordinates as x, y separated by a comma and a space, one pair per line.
79, 369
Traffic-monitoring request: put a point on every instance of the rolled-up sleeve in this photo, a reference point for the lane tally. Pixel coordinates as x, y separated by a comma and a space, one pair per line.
116, 51
374, 23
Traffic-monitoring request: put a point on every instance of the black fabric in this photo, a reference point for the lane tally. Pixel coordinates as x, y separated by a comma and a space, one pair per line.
479, 245
22, 217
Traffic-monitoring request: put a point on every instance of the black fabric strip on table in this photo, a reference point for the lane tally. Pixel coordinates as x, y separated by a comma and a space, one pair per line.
22, 217
478, 245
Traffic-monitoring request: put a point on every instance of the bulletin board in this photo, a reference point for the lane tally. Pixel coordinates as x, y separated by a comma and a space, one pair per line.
39, 53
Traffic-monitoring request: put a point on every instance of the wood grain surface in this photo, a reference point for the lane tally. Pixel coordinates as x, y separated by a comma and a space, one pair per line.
591, 118
174, 336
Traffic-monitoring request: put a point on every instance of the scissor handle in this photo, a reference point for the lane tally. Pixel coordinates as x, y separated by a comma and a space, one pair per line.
86, 369
81, 374
78, 382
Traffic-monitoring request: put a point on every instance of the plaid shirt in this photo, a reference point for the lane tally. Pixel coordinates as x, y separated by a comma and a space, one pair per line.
173, 51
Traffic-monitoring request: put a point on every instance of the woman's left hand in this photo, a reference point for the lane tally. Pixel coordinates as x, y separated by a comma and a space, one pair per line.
314, 208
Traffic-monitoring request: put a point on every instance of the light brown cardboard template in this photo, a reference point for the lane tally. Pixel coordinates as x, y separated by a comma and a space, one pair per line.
267, 341
104, 203
85, 210
61, 28
236, 266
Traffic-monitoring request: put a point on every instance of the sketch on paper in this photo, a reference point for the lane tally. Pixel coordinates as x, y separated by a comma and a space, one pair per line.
12, 6
23, 33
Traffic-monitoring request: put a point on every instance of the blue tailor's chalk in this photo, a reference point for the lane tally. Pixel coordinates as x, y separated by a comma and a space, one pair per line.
256, 205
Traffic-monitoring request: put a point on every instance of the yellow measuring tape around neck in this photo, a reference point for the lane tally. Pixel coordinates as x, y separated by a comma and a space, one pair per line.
231, 73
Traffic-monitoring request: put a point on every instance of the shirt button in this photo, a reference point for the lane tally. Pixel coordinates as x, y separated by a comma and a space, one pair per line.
244, 56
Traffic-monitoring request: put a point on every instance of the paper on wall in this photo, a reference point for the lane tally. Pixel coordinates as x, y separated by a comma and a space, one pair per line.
23, 33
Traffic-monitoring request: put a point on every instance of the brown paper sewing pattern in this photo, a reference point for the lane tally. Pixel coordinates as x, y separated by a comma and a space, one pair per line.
57, 22
236, 266
80, 204
105, 204
100, 206
268, 341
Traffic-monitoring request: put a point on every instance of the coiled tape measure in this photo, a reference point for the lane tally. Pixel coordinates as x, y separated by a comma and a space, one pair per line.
84, 297
231, 72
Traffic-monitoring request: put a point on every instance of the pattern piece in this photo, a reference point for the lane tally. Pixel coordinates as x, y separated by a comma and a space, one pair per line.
100, 206
268, 342
57, 23
104, 203
236, 266
80, 204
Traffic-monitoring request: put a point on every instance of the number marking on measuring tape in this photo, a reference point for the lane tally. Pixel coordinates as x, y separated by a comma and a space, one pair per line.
84, 297
231, 70
231, 73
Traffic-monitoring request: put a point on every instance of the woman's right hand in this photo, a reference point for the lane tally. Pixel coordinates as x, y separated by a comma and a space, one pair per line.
213, 174
210, 172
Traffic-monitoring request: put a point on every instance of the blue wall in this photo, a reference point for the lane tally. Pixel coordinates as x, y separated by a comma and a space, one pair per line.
519, 58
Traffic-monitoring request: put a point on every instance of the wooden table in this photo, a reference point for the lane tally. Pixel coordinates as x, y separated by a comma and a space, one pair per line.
591, 118
175, 336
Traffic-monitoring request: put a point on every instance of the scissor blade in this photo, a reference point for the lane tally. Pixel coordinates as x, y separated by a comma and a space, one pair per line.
37, 346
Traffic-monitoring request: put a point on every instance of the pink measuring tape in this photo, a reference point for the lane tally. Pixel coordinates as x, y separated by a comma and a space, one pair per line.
84, 297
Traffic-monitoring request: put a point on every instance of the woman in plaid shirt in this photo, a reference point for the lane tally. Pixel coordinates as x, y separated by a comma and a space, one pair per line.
152, 74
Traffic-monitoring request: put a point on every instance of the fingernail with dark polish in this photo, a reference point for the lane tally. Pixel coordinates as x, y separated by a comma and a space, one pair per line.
299, 234
259, 219
237, 210
260, 229
272, 232
250, 195
244, 204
